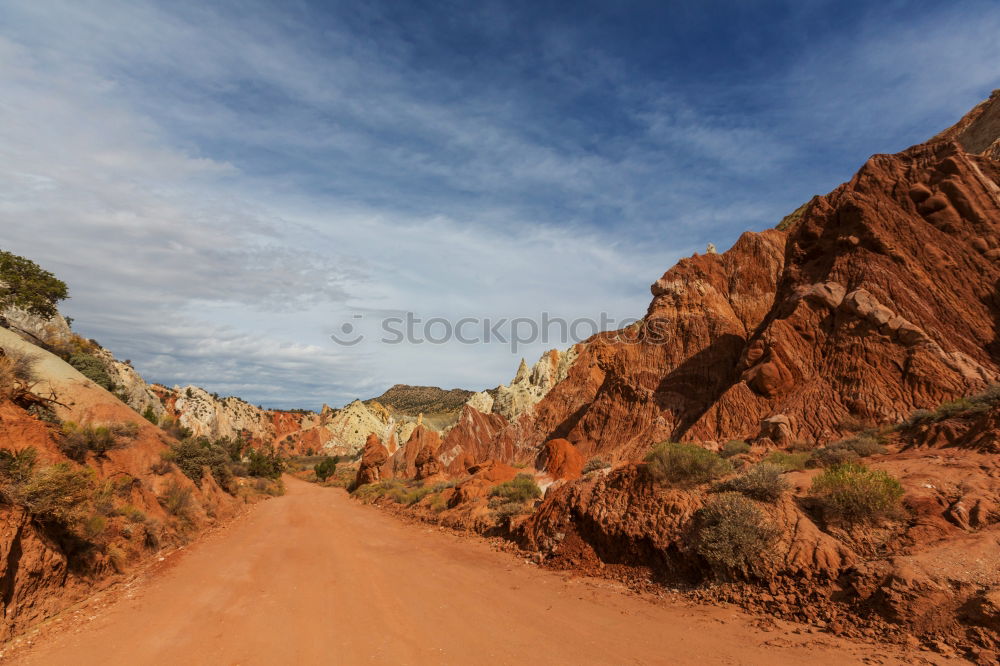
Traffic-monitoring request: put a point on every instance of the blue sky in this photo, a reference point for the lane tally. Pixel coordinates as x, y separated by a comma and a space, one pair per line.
224, 184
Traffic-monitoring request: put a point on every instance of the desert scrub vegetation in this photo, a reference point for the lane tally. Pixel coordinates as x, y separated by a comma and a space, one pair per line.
595, 464
685, 464
761, 482
967, 406
862, 445
733, 448
854, 493
522, 488
789, 461
733, 534
224, 459
513, 498
176, 499
325, 468
93, 369
58, 494
77, 441
406, 493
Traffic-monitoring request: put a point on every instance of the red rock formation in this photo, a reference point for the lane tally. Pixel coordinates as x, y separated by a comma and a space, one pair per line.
881, 298
375, 464
423, 441
483, 478
468, 441
560, 460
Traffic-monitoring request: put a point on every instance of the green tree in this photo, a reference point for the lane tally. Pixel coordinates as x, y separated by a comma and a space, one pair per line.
25, 285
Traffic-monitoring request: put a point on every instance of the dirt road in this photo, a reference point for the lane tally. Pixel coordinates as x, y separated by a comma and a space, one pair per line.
316, 578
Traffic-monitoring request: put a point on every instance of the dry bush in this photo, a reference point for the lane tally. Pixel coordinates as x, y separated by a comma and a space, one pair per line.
78, 440
16, 370
176, 499
761, 482
595, 464
59, 493
733, 534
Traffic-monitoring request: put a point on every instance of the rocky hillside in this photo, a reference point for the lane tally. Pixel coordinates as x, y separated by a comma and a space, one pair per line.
413, 401
836, 382
879, 299
85, 490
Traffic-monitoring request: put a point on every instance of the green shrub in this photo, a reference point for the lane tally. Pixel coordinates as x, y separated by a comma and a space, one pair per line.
672, 462
521, 489
93, 369
265, 462
789, 462
173, 427
956, 407
761, 482
595, 464
733, 448
176, 499
325, 468
150, 415
733, 533
854, 493
192, 456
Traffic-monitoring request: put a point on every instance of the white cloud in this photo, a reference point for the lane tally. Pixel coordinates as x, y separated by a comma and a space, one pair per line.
221, 196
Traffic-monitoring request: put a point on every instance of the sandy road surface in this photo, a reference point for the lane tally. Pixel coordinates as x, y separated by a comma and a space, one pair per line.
316, 578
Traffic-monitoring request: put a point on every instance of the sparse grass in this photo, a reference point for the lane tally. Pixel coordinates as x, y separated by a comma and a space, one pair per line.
176, 499
733, 534
595, 464
681, 463
733, 448
854, 493
761, 482
132, 514
789, 462
94, 526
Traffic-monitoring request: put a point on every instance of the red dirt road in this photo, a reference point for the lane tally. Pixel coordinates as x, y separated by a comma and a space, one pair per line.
316, 578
